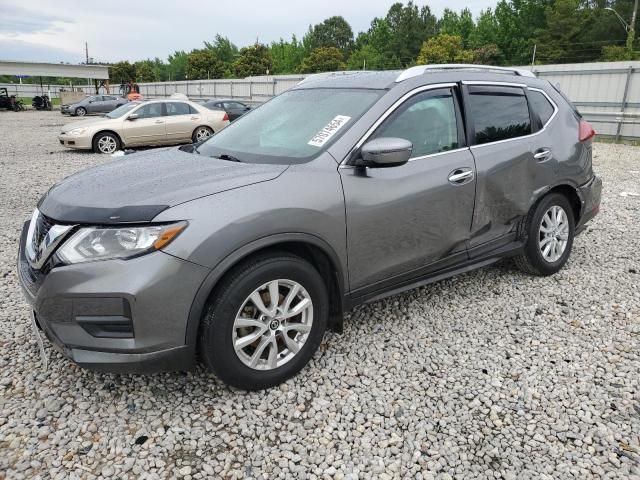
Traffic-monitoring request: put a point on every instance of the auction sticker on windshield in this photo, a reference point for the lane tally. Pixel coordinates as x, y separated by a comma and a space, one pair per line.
328, 131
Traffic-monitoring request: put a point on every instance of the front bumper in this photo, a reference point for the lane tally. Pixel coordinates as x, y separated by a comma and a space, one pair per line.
75, 141
590, 194
116, 315
65, 109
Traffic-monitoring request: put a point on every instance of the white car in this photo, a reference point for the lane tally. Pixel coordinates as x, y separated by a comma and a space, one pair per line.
134, 124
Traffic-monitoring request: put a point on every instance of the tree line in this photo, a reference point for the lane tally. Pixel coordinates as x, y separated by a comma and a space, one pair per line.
560, 31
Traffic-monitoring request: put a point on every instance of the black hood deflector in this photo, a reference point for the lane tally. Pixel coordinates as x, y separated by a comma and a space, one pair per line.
136, 188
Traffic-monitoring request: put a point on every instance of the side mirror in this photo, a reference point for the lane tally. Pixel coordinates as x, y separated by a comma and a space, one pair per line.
385, 152
133, 116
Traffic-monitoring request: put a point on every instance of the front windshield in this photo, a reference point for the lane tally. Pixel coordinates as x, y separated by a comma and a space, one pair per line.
121, 110
292, 127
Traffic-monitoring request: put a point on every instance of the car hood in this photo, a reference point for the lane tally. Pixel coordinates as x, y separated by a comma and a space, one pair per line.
87, 123
138, 187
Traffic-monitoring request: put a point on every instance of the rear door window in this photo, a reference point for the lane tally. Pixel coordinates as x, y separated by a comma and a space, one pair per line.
498, 113
178, 108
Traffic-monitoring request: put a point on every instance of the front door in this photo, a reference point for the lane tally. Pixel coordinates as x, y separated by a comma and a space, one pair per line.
148, 127
405, 221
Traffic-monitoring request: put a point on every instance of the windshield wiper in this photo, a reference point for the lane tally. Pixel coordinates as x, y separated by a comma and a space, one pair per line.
230, 158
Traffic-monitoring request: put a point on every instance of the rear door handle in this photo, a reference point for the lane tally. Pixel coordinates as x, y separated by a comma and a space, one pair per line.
461, 176
159, 121
542, 155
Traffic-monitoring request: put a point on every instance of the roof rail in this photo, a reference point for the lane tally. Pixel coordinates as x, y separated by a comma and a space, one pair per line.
422, 69
323, 75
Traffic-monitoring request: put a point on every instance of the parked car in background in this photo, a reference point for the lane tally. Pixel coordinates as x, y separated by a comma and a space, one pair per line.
93, 104
234, 108
134, 124
242, 250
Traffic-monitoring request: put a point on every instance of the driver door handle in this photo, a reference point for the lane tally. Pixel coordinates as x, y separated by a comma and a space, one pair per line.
159, 121
460, 176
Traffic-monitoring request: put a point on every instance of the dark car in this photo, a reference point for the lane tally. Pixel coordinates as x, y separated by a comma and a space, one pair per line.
234, 108
242, 250
94, 104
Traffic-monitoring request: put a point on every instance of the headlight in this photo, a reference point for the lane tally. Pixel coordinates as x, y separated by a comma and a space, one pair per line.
92, 243
77, 131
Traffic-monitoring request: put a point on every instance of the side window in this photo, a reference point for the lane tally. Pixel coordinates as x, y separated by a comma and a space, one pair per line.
541, 105
108, 98
150, 110
499, 113
177, 108
427, 120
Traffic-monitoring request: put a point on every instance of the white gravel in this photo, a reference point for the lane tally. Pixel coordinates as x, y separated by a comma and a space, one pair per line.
493, 374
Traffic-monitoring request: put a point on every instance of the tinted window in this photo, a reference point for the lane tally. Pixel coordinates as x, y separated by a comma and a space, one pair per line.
178, 108
499, 113
541, 105
427, 120
150, 110
108, 98
233, 105
292, 127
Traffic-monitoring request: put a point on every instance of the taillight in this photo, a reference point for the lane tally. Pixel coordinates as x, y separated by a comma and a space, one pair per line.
586, 131
226, 118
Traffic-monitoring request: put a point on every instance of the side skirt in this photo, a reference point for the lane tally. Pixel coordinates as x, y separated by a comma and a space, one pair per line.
488, 258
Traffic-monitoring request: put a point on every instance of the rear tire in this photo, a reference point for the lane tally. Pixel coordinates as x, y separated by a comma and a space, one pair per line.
265, 358
549, 229
106, 143
81, 111
201, 133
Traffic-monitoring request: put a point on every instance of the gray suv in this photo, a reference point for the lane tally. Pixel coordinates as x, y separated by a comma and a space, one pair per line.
240, 251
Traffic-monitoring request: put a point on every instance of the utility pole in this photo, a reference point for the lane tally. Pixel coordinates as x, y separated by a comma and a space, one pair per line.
631, 33
533, 59
86, 51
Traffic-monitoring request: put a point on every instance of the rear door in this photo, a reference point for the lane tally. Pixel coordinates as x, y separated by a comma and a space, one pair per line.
148, 127
408, 220
511, 173
181, 121
109, 103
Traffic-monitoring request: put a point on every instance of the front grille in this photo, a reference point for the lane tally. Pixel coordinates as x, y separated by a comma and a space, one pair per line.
43, 237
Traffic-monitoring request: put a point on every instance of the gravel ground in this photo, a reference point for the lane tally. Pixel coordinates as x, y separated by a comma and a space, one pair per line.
493, 374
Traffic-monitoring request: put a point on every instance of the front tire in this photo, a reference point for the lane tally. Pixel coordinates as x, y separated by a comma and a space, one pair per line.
251, 341
549, 230
106, 143
81, 111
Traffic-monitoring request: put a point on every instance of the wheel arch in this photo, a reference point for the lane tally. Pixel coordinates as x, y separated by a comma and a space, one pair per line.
572, 194
313, 249
113, 132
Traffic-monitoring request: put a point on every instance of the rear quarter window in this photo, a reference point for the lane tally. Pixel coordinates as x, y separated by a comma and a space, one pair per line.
541, 105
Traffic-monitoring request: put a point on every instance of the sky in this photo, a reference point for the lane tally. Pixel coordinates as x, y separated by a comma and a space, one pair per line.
46, 31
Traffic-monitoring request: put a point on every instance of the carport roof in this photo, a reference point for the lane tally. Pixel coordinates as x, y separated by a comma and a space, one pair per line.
35, 69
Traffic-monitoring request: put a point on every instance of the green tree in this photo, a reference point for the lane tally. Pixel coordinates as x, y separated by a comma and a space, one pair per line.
444, 48
177, 68
400, 34
333, 32
122, 72
223, 48
253, 60
324, 59
461, 24
561, 39
287, 56
203, 64
146, 71
488, 54
366, 57
486, 31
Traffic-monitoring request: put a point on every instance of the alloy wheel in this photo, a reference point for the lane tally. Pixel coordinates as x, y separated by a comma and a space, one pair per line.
553, 234
107, 144
81, 112
273, 324
202, 134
